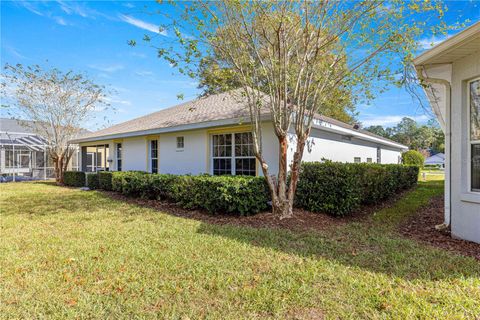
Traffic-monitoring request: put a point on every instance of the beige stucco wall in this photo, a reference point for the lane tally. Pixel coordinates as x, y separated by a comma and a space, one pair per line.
465, 205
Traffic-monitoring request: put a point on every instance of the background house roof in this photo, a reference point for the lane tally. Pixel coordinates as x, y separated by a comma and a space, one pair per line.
206, 111
14, 129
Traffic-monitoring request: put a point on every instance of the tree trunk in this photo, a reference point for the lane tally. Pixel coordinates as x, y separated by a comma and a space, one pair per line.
283, 193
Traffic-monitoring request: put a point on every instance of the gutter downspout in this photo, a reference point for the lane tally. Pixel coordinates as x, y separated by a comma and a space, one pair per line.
448, 135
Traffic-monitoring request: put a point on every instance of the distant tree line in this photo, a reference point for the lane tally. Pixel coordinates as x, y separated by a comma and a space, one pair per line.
425, 138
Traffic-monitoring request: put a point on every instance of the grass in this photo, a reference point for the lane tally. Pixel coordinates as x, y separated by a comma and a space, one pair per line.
66, 253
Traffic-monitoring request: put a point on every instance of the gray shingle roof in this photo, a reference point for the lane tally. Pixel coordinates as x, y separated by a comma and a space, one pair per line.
214, 107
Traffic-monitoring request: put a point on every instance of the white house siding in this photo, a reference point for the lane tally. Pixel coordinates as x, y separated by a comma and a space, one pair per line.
465, 205
390, 156
195, 158
134, 153
336, 147
191, 159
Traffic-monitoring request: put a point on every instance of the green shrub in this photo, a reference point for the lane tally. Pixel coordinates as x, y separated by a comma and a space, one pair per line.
74, 178
92, 181
328, 187
158, 186
413, 158
105, 180
221, 194
339, 188
216, 194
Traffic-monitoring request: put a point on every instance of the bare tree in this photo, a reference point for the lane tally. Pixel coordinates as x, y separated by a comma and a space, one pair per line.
295, 58
58, 102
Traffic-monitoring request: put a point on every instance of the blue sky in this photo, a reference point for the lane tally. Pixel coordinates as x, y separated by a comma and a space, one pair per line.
92, 37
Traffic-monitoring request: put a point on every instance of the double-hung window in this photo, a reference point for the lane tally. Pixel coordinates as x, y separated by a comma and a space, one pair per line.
474, 135
357, 159
154, 156
233, 154
180, 143
119, 156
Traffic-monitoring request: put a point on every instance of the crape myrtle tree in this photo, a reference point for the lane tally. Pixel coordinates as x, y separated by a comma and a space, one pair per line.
58, 103
292, 59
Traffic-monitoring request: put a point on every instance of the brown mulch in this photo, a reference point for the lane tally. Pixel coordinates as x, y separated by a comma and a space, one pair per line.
302, 220
421, 227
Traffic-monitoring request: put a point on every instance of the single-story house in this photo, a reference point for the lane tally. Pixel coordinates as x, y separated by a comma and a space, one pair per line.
451, 71
213, 135
436, 160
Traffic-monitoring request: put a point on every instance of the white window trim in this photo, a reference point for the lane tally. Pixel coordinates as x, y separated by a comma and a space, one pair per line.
119, 153
232, 157
475, 193
150, 158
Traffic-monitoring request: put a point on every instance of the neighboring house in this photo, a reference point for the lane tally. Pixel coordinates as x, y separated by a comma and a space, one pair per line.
23, 153
213, 135
452, 71
436, 160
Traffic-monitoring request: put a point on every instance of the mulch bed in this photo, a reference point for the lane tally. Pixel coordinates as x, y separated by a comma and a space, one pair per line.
302, 220
421, 227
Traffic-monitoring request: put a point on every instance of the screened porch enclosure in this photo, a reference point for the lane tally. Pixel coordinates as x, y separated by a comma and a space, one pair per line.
96, 158
24, 157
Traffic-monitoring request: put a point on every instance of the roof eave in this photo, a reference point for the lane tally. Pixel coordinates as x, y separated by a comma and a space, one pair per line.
426, 57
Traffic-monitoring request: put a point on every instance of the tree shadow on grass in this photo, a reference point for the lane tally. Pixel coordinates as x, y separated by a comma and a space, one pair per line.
355, 246
50, 204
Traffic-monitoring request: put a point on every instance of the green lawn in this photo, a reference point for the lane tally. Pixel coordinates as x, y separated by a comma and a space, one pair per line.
66, 253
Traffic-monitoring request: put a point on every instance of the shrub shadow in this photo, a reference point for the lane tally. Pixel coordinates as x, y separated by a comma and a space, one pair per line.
354, 246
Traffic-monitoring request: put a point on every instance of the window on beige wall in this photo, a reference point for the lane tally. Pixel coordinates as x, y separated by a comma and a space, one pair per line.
474, 136
233, 154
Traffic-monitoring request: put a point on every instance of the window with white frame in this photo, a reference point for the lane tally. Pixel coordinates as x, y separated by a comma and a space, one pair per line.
474, 136
119, 156
357, 159
180, 142
369, 160
232, 153
154, 156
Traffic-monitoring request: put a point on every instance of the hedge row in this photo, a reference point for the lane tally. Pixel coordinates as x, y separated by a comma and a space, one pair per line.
92, 181
330, 187
216, 194
74, 178
339, 188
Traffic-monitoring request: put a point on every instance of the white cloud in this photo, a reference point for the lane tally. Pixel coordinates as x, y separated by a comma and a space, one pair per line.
427, 43
389, 120
107, 68
142, 24
118, 101
129, 5
60, 21
15, 52
144, 73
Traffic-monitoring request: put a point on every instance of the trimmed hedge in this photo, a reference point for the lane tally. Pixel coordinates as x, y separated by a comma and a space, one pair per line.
216, 194
105, 180
74, 178
222, 194
330, 187
339, 188
92, 181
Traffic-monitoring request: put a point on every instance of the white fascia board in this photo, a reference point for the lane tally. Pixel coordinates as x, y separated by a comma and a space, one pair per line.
237, 121
323, 125
186, 127
440, 48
